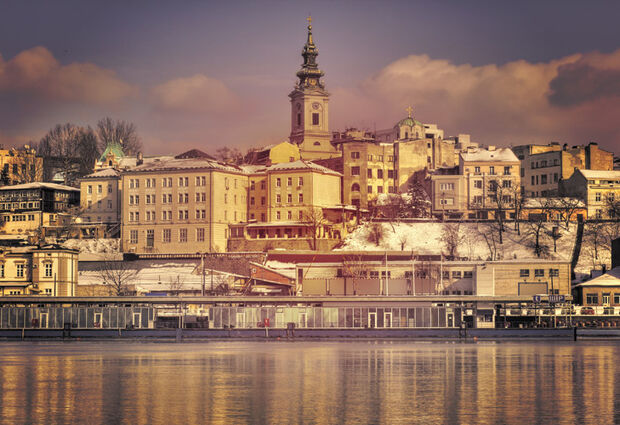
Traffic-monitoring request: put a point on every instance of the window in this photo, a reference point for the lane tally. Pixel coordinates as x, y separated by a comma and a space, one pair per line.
99, 188
507, 183
48, 270
289, 181
478, 184
524, 273
301, 198
251, 200
533, 180
133, 236
278, 182
543, 179
262, 200
592, 299
262, 185
446, 201
369, 189
390, 174
554, 272
278, 198
355, 187
315, 118
252, 185
355, 171
468, 274
507, 171
555, 177
539, 272
446, 186
616, 295
597, 196
1, 269
289, 215
90, 189
477, 170
456, 275
379, 189
301, 215
379, 174
369, 173
20, 270
355, 155
200, 235
183, 235
605, 298
300, 181
392, 189
150, 237
289, 198
166, 235
277, 215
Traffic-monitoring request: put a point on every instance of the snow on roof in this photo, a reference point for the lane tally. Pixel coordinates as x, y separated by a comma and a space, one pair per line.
485, 155
107, 172
40, 185
611, 278
601, 174
251, 169
301, 164
131, 161
185, 164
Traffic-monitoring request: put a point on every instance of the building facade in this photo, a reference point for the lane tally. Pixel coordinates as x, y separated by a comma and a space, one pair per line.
48, 270
543, 166
18, 166
600, 190
181, 205
100, 198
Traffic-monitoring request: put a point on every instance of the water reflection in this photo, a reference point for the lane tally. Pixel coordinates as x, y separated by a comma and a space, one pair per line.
310, 382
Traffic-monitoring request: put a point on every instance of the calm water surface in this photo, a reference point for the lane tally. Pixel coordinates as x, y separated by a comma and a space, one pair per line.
310, 382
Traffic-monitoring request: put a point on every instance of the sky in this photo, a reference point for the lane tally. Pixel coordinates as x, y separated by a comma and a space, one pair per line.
199, 74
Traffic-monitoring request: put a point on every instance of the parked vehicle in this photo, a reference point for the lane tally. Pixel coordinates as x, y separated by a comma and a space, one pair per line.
587, 310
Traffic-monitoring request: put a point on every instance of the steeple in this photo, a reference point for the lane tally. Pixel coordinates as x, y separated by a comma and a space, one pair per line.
310, 75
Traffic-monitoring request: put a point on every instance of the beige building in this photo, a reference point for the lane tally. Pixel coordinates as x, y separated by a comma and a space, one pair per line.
292, 205
544, 166
100, 199
182, 205
597, 188
27, 209
487, 181
273, 154
50, 270
20, 166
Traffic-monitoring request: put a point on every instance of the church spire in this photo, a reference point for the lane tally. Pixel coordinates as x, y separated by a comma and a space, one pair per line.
310, 75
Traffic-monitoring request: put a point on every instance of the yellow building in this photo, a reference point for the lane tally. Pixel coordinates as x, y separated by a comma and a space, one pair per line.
100, 199
273, 154
50, 270
181, 205
487, 181
32, 207
600, 190
20, 166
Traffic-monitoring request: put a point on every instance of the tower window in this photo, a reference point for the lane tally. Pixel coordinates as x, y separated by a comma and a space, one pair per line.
315, 118
298, 119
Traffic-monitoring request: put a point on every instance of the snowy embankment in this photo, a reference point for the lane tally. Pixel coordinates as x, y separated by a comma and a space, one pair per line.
479, 241
94, 246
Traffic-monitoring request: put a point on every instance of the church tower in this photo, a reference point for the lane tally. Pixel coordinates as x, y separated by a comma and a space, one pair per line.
309, 107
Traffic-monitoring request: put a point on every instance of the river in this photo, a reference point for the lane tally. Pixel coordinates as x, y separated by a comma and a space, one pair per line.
315, 382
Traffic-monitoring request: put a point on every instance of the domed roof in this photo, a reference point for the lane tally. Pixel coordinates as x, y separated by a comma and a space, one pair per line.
408, 122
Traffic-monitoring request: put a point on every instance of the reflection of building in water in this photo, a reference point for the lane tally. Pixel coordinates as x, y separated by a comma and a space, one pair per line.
374, 382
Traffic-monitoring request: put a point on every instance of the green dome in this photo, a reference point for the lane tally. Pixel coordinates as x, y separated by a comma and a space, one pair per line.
409, 122
115, 148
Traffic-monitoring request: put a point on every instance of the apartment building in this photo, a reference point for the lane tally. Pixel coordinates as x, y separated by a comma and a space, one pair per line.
485, 181
48, 270
100, 198
597, 188
296, 203
543, 166
181, 205
28, 208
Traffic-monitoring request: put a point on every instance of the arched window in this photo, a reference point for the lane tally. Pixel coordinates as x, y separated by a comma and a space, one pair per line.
355, 187
317, 143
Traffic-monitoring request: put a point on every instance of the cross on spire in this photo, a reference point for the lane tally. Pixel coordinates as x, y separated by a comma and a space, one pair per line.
409, 110
309, 19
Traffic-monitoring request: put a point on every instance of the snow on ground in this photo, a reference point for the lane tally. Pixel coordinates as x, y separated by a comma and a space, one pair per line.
426, 238
94, 246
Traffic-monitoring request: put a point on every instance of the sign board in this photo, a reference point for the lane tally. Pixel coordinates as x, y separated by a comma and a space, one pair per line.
536, 298
556, 298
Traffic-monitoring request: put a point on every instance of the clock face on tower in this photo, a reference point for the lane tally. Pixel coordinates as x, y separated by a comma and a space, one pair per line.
316, 105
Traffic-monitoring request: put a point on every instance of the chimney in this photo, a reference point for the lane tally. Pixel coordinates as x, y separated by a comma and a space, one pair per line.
491, 148
139, 159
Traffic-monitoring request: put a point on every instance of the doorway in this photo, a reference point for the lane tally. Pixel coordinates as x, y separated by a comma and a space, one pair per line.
372, 319
387, 319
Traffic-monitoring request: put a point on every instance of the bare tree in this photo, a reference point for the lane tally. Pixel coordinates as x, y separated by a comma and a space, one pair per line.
555, 235
59, 148
229, 155
118, 276
123, 132
536, 226
501, 194
594, 236
375, 232
87, 150
489, 234
519, 201
613, 206
313, 216
29, 165
452, 238
568, 207
175, 286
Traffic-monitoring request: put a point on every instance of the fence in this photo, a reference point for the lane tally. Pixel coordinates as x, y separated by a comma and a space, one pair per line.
78, 317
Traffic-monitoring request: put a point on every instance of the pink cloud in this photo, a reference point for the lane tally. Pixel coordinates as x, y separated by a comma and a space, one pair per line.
37, 73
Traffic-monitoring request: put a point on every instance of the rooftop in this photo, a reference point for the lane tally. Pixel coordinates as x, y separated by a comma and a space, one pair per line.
486, 155
601, 174
611, 278
301, 165
107, 172
184, 164
40, 185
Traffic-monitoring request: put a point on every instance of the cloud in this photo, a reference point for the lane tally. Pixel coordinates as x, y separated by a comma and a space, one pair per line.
568, 99
36, 73
196, 94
